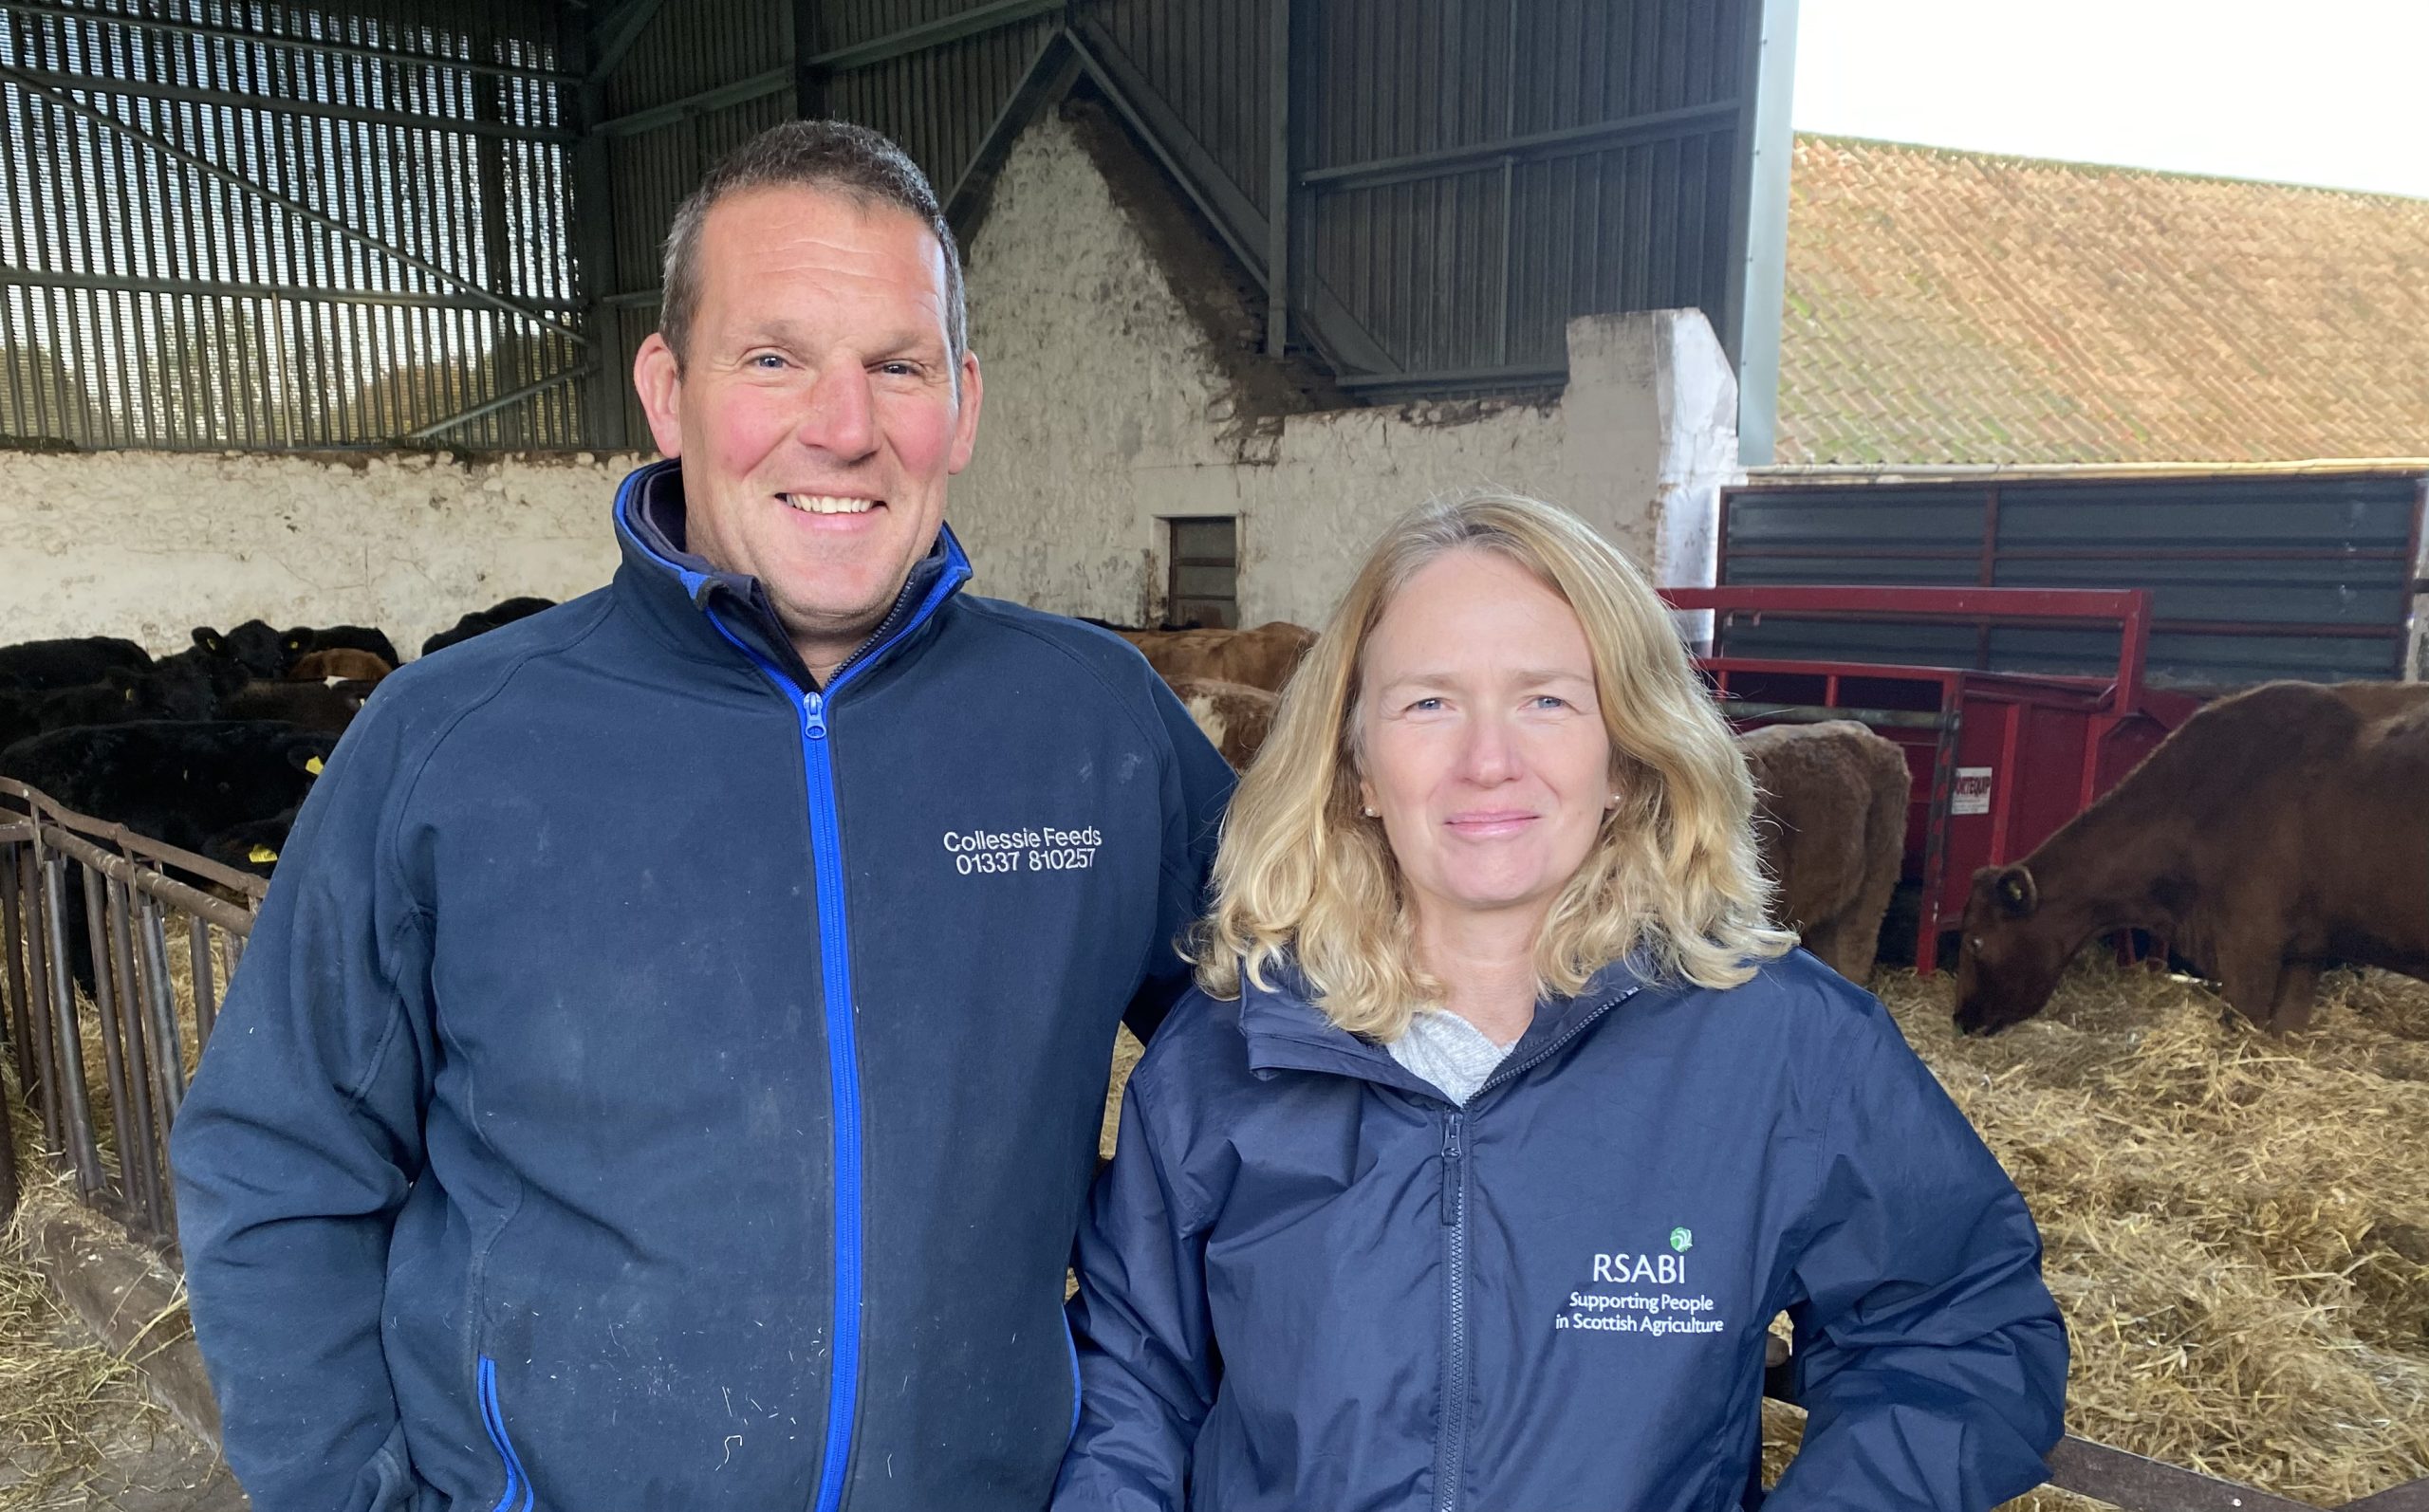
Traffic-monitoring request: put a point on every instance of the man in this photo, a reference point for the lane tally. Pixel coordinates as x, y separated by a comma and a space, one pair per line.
667, 1069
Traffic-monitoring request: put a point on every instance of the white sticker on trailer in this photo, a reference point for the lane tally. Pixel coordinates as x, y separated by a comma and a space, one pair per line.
1973, 795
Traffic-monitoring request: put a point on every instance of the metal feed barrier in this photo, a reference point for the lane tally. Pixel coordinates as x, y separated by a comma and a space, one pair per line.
88, 913
61, 872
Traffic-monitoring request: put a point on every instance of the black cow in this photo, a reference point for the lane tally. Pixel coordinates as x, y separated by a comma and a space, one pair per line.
254, 645
481, 622
178, 783
309, 706
125, 695
42, 666
252, 846
344, 638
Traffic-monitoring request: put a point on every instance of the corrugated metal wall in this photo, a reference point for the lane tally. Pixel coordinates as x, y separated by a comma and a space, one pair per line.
276, 226
693, 81
1456, 179
1477, 173
1428, 190
2253, 577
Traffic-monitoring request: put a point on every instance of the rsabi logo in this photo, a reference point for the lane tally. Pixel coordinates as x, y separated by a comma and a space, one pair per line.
1642, 1270
1681, 1240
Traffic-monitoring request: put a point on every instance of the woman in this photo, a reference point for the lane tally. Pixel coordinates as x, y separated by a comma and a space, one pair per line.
1501, 1125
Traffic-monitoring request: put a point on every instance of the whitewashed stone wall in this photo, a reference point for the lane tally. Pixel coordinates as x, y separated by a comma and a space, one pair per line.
148, 545
1108, 411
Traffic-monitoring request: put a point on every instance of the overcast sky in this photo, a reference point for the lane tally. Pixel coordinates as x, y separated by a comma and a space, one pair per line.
2317, 92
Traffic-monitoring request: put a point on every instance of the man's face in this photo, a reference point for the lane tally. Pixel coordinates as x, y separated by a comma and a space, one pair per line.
816, 410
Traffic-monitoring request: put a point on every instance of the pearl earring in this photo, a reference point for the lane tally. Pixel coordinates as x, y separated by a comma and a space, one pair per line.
1369, 812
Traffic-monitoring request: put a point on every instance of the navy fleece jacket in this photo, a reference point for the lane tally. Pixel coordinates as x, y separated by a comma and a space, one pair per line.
655, 1083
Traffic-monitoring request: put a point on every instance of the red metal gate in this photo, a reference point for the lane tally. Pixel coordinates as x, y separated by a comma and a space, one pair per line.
2000, 760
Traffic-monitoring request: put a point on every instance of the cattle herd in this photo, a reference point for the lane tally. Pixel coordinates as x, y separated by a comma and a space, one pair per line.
210, 749
2277, 832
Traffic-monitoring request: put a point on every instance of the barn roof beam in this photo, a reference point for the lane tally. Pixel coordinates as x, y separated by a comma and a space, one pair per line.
168, 149
613, 35
12, 275
1521, 376
328, 110
758, 86
439, 427
970, 23
1653, 126
859, 55
1048, 78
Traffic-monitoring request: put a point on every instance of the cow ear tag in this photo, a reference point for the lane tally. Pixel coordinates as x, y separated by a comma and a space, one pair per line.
260, 856
313, 766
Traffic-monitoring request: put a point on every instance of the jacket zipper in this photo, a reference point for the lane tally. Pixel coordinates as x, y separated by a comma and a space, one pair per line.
517, 1495
842, 1049
843, 1099
1451, 1454
1506, 1072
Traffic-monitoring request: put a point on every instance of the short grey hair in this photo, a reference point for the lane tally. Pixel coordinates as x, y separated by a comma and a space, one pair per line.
832, 156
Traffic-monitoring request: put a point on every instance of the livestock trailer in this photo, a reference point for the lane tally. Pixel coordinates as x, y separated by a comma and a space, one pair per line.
1999, 760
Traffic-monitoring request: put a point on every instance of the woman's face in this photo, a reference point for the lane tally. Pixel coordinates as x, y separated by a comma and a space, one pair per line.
1483, 747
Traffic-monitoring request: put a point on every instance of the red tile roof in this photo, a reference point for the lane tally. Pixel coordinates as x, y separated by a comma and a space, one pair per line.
1963, 307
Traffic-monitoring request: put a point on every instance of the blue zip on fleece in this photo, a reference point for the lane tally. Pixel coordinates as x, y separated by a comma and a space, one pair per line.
842, 1052
517, 1495
1073, 1345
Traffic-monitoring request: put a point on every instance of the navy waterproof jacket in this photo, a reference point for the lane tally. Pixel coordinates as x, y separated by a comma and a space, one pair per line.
653, 1083
1310, 1281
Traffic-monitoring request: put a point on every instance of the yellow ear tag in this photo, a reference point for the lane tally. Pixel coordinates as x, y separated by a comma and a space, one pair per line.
313, 766
260, 856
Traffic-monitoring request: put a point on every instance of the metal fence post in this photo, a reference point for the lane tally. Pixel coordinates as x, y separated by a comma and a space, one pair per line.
139, 1156
76, 1111
206, 1011
161, 994
43, 1088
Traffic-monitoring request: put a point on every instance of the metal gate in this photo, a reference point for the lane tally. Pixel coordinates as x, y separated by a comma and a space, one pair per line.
113, 949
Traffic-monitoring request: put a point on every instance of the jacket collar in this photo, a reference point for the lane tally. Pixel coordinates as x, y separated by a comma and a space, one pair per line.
704, 607
1286, 1031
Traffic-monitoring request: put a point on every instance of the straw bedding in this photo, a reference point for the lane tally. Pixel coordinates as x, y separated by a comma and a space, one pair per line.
64, 1400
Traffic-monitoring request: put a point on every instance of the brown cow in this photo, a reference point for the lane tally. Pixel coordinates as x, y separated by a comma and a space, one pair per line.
1263, 657
1235, 717
1830, 820
344, 664
2278, 832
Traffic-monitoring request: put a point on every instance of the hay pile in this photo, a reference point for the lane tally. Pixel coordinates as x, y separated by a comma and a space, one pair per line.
74, 1419
64, 1400
2237, 1227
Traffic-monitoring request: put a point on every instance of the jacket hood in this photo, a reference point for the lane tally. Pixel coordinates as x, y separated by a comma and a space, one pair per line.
683, 590
1288, 1032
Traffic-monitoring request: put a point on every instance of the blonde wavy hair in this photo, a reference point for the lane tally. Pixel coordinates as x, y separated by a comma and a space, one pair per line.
1673, 874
